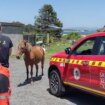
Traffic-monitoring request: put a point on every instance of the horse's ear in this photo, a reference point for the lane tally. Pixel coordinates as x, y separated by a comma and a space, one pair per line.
25, 42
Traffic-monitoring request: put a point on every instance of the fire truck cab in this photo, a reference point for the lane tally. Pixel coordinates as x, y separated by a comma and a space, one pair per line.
81, 67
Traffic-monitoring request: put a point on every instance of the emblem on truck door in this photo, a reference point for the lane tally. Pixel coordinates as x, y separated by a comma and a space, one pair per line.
76, 74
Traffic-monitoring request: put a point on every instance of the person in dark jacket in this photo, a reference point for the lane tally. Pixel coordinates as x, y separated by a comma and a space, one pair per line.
5, 49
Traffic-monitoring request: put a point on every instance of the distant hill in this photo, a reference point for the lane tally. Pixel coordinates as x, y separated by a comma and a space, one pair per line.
83, 31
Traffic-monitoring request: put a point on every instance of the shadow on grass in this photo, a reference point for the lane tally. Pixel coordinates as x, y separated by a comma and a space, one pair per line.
29, 81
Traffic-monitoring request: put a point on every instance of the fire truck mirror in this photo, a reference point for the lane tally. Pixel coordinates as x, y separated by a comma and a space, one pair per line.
68, 50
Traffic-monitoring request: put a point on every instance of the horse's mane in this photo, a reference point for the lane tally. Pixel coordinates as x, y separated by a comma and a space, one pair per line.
29, 46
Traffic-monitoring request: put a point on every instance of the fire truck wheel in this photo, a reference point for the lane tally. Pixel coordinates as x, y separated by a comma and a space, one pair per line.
56, 85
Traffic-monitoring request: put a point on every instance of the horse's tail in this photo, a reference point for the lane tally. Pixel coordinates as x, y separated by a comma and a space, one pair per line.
43, 59
43, 51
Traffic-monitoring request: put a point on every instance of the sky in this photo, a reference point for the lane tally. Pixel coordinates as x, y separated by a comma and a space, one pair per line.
72, 13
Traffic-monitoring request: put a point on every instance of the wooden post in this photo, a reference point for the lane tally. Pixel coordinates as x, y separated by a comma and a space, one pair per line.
48, 39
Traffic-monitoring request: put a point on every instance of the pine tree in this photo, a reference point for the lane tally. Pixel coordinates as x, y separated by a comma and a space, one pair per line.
47, 17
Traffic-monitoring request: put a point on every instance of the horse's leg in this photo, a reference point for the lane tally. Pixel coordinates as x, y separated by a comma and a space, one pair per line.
42, 65
31, 73
27, 72
36, 70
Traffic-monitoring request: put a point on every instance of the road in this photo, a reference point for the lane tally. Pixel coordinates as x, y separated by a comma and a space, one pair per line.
37, 93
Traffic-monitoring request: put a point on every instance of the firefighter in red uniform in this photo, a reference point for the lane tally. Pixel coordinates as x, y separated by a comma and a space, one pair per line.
5, 50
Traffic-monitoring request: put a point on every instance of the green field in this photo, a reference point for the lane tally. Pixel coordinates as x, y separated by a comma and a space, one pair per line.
56, 47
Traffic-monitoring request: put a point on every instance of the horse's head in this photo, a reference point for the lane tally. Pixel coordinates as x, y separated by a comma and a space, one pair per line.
23, 47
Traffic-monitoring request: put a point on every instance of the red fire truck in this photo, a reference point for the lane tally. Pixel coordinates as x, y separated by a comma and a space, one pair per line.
82, 66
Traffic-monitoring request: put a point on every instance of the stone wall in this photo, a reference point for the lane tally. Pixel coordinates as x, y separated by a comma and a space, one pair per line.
16, 38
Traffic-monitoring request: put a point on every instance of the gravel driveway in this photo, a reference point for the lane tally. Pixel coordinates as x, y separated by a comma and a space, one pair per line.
37, 93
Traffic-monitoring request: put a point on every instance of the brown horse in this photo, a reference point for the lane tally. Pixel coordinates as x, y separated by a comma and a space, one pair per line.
32, 55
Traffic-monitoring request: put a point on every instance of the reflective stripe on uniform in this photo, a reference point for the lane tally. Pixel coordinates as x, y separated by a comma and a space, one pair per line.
4, 97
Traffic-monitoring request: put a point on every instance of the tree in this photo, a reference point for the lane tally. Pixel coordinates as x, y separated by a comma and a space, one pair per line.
47, 17
74, 36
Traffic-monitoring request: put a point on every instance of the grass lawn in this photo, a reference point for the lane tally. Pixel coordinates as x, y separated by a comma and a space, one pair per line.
56, 47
